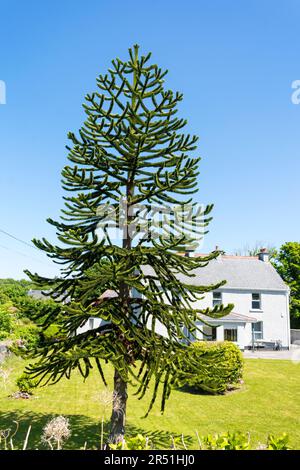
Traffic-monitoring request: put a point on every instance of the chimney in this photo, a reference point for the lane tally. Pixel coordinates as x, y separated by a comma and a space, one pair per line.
219, 257
263, 255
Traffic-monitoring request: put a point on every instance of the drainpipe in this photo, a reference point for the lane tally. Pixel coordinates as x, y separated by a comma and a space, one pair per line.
288, 318
252, 338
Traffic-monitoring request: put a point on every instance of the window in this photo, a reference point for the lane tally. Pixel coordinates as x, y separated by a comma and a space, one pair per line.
217, 298
230, 334
256, 303
257, 330
91, 323
209, 333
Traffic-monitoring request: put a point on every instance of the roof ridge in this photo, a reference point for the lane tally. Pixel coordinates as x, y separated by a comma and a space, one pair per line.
239, 257
228, 256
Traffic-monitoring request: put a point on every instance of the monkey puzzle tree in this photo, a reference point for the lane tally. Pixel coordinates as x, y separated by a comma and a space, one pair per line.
130, 163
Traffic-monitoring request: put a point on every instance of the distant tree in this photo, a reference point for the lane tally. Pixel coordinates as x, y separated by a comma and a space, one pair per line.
253, 250
4, 298
6, 320
14, 289
287, 263
131, 155
15, 292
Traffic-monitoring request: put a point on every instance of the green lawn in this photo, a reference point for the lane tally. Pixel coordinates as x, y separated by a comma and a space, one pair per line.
268, 402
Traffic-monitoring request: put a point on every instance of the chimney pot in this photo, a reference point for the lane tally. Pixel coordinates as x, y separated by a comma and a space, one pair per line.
263, 255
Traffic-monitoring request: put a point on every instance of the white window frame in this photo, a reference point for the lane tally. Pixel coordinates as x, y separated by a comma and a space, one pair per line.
258, 334
256, 300
235, 333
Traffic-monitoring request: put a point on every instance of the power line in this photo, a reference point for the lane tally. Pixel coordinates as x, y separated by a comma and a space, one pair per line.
24, 243
48, 264
23, 254
18, 239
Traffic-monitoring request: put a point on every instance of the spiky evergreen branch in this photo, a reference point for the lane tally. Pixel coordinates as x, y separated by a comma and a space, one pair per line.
130, 148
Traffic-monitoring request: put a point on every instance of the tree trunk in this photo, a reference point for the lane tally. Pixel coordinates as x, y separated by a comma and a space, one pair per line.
118, 416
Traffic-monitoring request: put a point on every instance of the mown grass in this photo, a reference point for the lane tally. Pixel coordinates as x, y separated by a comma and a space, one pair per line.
268, 402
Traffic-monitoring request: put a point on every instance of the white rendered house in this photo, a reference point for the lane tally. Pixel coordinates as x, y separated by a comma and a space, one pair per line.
260, 298
259, 295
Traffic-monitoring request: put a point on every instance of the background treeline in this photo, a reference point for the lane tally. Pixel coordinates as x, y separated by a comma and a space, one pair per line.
19, 312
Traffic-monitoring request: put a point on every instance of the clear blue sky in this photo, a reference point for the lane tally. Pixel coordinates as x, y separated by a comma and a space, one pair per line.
234, 61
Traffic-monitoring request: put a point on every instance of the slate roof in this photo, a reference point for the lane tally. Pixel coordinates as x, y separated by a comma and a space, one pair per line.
37, 294
240, 272
43, 295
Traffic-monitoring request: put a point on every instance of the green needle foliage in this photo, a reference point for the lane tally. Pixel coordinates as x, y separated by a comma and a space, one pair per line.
129, 158
287, 263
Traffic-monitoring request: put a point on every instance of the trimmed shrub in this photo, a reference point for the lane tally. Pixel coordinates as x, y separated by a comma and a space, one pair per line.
29, 334
25, 383
213, 367
24, 335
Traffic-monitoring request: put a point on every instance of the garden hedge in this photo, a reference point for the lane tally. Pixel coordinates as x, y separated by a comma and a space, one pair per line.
213, 367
